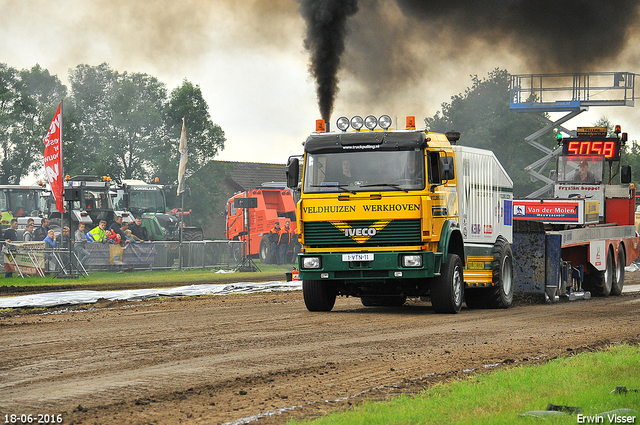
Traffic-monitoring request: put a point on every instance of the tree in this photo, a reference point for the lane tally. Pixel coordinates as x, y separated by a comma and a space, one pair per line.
204, 138
119, 119
482, 115
629, 154
28, 100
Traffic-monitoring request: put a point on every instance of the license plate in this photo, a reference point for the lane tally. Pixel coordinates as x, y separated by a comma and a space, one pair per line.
357, 257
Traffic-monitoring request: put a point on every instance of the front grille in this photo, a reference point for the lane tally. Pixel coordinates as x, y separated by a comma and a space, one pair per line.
397, 232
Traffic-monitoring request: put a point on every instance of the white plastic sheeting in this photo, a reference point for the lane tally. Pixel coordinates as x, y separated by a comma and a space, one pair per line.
53, 299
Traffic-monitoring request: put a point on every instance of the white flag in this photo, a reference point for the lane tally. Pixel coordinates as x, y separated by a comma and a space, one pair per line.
183, 159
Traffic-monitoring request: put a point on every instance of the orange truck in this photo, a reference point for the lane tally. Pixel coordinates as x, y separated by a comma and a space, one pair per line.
252, 214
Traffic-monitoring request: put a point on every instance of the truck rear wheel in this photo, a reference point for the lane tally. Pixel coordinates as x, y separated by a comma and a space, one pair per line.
600, 282
264, 249
500, 295
318, 295
618, 278
447, 289
502, 291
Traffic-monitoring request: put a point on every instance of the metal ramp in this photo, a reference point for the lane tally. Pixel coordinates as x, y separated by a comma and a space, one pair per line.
571, 93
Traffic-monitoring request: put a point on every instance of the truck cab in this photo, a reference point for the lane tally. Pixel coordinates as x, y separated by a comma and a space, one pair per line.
21, 202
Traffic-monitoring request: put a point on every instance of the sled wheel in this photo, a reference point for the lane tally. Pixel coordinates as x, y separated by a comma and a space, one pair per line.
600, 282
618, 279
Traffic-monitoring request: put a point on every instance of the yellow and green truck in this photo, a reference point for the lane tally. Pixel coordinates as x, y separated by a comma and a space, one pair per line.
388, 214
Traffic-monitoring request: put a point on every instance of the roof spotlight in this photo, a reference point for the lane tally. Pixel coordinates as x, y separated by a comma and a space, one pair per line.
356, 122
370, 122
343, 123
385, 121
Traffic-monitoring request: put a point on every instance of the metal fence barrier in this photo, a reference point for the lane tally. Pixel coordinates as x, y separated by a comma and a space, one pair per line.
157, 255
198, 254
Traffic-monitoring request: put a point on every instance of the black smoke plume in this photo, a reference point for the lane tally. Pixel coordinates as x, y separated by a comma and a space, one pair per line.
395, 46
326, 22
550, 35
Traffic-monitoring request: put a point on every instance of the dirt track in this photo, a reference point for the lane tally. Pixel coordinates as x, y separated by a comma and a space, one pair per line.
220, 359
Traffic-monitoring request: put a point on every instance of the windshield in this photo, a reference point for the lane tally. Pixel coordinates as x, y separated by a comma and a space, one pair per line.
580, 169
141, 201
91, 199
20, 202
364, 171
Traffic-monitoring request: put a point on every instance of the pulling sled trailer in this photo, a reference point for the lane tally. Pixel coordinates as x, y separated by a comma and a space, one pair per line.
578, 243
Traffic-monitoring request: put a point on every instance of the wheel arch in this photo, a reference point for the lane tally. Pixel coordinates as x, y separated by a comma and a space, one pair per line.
451, 241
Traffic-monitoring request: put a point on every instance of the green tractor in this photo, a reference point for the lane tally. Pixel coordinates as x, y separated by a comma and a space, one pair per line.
21, 202
148, 201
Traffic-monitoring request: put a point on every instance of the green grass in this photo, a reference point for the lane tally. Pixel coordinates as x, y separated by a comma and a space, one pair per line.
584, 380
165, 277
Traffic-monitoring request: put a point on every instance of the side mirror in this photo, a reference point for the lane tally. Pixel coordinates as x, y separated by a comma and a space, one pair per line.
625, 174
447, 169
293, 172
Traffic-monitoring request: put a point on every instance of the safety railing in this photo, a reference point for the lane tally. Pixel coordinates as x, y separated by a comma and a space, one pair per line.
31, 258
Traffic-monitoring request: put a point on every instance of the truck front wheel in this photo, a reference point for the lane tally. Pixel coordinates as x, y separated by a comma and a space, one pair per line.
318, 295
447, 289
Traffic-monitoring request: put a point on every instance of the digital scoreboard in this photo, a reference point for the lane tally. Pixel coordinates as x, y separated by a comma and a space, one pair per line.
608, 147
593, 141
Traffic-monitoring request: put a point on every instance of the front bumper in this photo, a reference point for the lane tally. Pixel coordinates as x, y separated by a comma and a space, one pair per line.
385, 265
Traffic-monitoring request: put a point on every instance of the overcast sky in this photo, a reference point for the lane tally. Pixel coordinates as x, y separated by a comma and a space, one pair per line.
249, 59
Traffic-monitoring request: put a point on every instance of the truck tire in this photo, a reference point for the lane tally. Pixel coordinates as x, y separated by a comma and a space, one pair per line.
264, 249
318, 295
192, 234
618, 278
501, 293
600, 282
382, 301
56, 225
448, 288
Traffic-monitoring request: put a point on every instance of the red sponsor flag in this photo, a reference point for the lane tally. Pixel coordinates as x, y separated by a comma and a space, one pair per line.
53, 158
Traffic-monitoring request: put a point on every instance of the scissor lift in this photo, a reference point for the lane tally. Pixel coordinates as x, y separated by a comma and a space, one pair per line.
571, 93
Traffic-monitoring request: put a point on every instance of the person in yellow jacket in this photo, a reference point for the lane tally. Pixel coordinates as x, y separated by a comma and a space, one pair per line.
98, 233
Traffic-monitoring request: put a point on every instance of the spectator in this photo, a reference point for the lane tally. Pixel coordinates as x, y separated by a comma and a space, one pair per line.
10, 235
112, 237
80, 243
64, 242
274, 238
50, 244
128, 236
42, 231
98, 233
283, 243
138, 230
27, 236
64, 239
116, 227
50, 240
